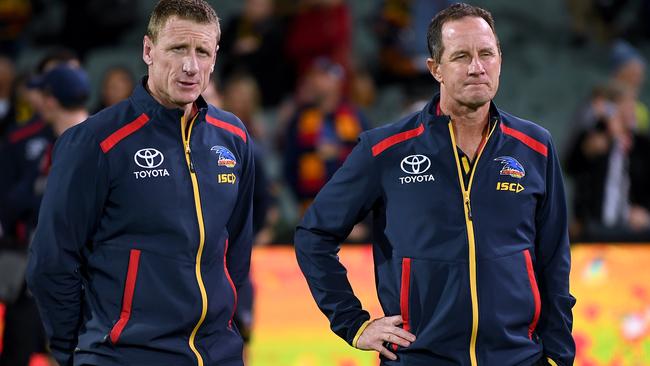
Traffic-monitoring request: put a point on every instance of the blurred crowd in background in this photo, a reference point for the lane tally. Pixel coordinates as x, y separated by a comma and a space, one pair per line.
307, 76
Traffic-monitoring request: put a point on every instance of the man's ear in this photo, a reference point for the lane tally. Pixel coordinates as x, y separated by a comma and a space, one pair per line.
434, 69
147, 46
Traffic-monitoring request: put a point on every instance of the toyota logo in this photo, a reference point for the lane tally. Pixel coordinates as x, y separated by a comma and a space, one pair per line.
415, 164
148, 158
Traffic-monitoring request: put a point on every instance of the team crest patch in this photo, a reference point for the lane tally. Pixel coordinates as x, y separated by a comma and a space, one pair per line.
511, 167
226, 158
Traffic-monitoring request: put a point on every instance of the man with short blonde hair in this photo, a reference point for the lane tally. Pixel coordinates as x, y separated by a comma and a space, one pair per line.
144, 235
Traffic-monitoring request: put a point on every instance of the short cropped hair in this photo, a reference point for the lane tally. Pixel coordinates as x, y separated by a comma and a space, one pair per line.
454, 12
195, 10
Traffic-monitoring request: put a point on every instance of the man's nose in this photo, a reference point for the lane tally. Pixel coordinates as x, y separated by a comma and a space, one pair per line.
476, 66
190, 64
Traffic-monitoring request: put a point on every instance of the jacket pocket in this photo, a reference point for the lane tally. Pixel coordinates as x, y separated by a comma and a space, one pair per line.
405, 287
232, 284
535, 293
127, 298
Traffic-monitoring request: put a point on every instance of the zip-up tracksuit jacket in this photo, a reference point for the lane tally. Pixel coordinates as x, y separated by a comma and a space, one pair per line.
144, 234
479, 271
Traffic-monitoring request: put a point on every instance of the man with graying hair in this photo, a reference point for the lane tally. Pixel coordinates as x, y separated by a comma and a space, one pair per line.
470, 240
144, 233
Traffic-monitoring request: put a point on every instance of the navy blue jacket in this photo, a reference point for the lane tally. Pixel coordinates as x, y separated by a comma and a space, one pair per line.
480, 274
144, 234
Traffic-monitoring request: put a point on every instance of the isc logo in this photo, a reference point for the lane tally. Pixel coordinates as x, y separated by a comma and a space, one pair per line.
511, 187
227, 178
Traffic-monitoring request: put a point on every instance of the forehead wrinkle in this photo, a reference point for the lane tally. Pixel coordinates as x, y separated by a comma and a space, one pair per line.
177, 32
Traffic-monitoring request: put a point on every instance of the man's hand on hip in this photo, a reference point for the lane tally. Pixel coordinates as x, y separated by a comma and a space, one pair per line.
385, 330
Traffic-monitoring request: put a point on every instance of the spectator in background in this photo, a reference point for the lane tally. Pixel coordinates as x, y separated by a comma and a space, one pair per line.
608, 162
322, 131
400, 28
7, 76
27, 107
628, 68
240, 95
252, 43
598, 20
65, 91
14, 16
117, 84
319, 28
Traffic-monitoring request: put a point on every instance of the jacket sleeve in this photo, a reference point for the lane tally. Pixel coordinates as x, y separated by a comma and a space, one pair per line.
70, 211
344, 201
240, 225
553, 267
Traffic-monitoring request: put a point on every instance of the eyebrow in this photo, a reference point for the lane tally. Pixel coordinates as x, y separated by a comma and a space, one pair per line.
465, 51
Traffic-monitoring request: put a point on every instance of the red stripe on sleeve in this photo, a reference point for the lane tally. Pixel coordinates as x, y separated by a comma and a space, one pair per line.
226, 126
127, 301
527, 140
123, 132
396, 139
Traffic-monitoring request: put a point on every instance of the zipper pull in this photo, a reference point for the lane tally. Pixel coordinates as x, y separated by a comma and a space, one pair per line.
469, 207
189, 154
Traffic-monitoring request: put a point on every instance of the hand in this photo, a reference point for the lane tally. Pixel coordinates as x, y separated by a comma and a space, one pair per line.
384, 330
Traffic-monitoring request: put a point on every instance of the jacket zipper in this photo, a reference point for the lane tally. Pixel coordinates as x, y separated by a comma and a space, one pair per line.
470, 236
186, 132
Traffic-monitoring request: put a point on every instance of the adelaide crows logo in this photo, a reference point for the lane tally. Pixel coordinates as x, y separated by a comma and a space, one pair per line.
511, 167
226, 158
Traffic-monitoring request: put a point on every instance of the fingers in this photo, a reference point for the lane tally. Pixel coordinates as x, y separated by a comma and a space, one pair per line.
386, 353
404, 334
396, 339
393, 322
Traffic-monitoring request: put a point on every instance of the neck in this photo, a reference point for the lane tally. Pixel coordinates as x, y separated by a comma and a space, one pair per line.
470, 125
67, 119
465, 117
189, 112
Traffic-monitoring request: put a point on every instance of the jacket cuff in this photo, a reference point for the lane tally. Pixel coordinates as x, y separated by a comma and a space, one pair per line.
358, 334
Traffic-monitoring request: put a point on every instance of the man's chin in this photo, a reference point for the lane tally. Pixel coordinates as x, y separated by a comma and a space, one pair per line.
186, 99
478, 101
